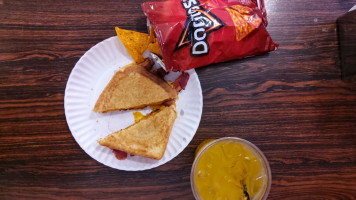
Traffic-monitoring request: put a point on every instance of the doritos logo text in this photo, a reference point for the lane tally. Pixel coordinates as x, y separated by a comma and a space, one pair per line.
199, 24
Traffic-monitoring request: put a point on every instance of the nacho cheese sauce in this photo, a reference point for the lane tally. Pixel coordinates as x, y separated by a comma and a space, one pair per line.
229, 170
138, 116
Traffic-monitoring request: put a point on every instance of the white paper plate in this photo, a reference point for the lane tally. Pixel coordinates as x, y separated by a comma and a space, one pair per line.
86, 82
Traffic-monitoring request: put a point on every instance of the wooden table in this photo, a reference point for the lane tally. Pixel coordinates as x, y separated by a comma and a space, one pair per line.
291, 103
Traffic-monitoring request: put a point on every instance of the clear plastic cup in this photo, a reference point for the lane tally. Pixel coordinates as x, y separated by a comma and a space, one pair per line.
265, 168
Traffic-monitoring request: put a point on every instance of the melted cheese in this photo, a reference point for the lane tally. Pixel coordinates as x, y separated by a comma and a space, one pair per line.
138, 116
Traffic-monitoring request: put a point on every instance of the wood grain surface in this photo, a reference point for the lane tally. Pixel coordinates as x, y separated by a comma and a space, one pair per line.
291, 103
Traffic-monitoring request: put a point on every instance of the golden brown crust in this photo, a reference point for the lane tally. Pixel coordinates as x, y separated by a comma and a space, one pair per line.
148, 137
132, 88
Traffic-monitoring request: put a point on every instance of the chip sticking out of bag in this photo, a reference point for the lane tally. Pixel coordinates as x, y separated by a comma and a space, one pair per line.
135, 43
152, 37
195, 33
154, 48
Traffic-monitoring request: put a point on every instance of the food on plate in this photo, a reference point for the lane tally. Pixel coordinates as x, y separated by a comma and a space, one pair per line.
154, 48
148, 137
120, 155
138, 116
134, 87
152, 37
195, 33
181, 82
135, 43
230, 168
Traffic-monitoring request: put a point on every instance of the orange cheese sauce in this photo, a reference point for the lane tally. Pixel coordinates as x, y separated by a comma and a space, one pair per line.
170, 84
229, 170
138, 116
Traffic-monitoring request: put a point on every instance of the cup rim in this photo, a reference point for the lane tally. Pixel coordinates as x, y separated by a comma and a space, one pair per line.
212, 143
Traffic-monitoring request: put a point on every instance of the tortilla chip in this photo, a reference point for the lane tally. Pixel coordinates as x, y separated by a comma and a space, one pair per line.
134, 42
152, 37
154, 48
244, 24
244, 10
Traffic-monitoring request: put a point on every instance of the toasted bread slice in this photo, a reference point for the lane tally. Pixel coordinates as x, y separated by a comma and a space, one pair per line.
148, 137
134, 87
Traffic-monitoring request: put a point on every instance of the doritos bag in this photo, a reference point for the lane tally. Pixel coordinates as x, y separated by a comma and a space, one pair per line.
194, 33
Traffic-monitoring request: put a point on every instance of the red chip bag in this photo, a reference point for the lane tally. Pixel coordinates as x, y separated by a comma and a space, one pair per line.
195, 33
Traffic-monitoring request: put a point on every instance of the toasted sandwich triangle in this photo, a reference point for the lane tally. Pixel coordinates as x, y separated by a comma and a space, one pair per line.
134, 87
148, 137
